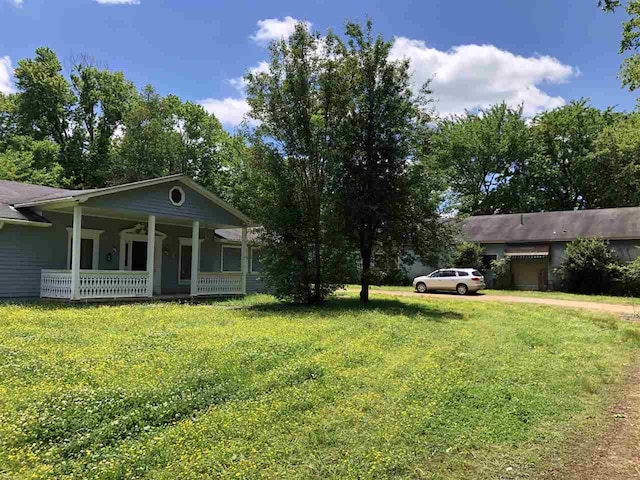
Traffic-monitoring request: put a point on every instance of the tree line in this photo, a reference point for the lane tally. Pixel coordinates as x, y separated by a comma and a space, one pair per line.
572, 157
94, 129
345, 160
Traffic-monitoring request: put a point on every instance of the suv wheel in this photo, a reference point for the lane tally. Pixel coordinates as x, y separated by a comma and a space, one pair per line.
462, 289
421, 287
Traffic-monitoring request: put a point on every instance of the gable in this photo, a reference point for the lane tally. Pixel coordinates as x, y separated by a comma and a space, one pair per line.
154, 200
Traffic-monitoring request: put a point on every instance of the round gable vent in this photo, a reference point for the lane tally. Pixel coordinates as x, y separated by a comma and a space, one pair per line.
176, 196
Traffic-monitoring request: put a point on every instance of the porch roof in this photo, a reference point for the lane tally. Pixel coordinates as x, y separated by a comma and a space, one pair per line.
17, 200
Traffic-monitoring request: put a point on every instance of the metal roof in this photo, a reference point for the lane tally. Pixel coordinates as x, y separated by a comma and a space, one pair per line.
607, 223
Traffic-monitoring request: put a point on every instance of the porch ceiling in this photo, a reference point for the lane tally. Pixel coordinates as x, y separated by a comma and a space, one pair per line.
133, 215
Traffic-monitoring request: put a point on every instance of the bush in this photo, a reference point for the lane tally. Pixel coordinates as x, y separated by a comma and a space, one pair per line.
588, 266
469, 255
626, 278
502, 270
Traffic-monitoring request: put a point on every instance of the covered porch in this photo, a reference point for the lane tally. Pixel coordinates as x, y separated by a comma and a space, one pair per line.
147, 239
140, 259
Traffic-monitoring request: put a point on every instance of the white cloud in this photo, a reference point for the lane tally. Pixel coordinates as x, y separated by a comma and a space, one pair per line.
17, 3
230, 111
6, 75
275, 29
474, 76
119, 2
239, 83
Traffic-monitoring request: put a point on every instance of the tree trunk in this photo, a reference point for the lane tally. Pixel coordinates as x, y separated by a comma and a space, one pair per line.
365, 253
318, 272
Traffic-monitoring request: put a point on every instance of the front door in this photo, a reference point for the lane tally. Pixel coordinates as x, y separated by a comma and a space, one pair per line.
134, 257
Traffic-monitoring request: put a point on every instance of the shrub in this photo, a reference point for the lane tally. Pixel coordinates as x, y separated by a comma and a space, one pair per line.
469, 255
626, 278
587, 266
502, 270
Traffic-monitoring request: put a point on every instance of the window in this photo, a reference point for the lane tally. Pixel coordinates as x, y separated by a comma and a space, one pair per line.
176, 196
463, 274
231, 259
436, 274
184, 260
256, 262
447, 273
89, 248
476, 273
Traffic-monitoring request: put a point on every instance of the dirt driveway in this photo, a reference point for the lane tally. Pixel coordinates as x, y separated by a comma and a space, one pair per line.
626, 310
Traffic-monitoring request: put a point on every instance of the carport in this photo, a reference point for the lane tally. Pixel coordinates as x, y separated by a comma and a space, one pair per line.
529, 266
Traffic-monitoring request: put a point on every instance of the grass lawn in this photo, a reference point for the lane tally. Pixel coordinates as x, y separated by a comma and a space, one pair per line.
253, 389
520, 293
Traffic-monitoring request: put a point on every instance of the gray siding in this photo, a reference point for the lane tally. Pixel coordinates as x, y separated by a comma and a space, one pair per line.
24, 251
255, 284
154, 200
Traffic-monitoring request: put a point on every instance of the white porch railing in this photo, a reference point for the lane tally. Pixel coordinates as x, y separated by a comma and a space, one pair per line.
219, 283
126, 284
94, 284
55, 284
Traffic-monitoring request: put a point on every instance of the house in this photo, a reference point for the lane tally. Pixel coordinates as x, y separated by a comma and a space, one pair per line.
536, 242
158, 237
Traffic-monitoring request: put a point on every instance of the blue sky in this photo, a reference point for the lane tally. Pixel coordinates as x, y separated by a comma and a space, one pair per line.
542, 53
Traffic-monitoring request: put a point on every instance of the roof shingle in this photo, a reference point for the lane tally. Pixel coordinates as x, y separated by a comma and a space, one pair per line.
607, 223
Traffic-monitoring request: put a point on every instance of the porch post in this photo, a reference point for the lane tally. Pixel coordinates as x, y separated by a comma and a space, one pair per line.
76, 241
151, 252
244, 260
195, 257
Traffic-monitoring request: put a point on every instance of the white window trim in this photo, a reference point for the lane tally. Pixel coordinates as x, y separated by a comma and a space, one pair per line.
182, 241
251, 259
181, 190
222, 258
87, 234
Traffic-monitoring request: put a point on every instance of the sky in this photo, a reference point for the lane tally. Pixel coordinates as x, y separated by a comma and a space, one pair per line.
541, 54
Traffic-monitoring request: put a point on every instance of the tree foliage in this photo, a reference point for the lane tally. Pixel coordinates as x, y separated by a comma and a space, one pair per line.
482, 152
497, 162
299, 103
586, 267
469, 255
630, 42
95, 129
378, 189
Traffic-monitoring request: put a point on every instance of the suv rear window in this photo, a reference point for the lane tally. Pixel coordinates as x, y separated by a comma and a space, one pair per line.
476, 273
463, 274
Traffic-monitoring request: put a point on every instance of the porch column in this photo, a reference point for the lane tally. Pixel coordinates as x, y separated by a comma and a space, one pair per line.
151, 252
76, 241
195, 257
244, 260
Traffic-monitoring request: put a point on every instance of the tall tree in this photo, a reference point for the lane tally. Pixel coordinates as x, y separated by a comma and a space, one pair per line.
562, 170
103, 99
380, 190
45, 99
618, 170
299, 104
483, 152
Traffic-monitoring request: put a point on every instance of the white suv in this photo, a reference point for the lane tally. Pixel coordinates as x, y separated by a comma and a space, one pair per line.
461, 280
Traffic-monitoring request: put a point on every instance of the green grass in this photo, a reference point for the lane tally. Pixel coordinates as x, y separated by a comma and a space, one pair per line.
568, 296
520, 293
252, 389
